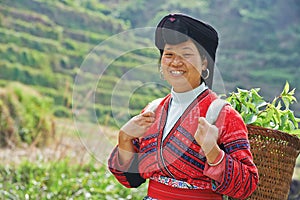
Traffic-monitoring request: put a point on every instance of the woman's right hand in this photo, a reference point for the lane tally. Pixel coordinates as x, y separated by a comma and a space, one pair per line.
138, 125
134, 128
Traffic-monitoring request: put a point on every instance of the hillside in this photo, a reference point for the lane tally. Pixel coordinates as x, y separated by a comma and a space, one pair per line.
77, 51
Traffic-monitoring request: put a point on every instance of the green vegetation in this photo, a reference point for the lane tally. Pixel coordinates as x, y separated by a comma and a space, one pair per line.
25, 117
62, 180
274, 115
43, 44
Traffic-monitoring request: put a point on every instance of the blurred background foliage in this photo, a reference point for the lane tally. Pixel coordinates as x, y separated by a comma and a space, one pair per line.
44, 43
25, 117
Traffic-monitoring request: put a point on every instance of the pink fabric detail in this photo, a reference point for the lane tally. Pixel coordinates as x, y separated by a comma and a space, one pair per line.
172, 19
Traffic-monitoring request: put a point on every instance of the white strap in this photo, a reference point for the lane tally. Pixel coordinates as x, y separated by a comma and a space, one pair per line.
153, 105
214, 110
212, 113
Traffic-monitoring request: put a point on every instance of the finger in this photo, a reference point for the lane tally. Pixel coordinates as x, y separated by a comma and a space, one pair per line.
202, 125
146, 121
203, 122
148, 114
149, 119
141, 120
147, 125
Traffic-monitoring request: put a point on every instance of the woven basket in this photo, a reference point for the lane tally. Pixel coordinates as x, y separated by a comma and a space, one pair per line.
274, 153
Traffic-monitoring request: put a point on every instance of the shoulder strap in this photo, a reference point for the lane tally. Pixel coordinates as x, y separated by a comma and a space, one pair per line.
212, 113
214, 110
153, 105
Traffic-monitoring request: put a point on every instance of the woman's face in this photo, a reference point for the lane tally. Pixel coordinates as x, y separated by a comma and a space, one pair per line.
182, 66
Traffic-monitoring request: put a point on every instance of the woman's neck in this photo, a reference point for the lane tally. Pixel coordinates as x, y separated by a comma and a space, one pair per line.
189, 96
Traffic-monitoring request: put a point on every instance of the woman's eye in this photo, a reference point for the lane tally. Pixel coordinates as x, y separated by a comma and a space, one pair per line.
186, 55
168, 54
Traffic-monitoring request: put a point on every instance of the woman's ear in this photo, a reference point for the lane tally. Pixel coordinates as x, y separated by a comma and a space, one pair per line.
204, 63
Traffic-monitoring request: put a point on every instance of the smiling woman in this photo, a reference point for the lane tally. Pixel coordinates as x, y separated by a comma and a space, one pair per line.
172, 144
182, 66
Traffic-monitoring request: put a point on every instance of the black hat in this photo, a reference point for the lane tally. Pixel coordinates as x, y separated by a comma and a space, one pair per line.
177, 28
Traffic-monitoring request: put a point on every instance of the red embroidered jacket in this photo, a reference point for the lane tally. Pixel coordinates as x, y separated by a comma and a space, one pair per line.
179, 156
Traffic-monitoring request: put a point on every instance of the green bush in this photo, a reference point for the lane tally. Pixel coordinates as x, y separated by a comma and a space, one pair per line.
62, 111
62, 180
30, 76
29, 41
61, 96
24, 56
84, 36
37, 29
25, 117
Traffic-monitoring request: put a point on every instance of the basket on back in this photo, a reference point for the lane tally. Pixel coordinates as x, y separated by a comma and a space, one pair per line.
274, 153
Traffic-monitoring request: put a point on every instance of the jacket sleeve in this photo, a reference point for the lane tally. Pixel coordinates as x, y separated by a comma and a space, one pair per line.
127, 173
237, 175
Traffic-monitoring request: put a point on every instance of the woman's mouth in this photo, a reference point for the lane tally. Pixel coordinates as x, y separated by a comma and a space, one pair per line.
176, 72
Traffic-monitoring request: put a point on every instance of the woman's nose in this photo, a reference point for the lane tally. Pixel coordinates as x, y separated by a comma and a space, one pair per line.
177, 61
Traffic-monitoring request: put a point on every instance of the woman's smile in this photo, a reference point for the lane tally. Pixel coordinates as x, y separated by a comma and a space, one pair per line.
176, 73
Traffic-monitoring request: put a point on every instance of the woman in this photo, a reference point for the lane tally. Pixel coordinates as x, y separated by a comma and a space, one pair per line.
170, 142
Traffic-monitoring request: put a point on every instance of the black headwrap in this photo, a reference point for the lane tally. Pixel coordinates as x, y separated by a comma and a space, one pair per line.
178, 28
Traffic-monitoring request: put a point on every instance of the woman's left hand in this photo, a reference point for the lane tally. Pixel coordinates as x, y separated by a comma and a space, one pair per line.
206, 135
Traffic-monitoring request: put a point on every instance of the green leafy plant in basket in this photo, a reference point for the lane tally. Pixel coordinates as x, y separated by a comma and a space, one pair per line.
275, 115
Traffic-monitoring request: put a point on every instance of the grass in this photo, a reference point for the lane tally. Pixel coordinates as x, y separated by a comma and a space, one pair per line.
62, 170
62, 180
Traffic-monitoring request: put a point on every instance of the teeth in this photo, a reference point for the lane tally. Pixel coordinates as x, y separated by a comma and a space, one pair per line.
176, 72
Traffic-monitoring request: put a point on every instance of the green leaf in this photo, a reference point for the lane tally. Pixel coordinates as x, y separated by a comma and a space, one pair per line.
289, 126
292, 92
269, 115
251, 118
286, 100
286, 88
244, 108
284, 123
276, 116
293, 119
260, 103
279, 106
258, 122
242, 91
